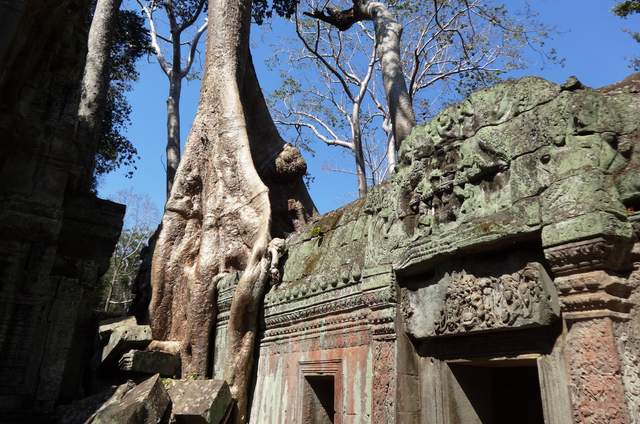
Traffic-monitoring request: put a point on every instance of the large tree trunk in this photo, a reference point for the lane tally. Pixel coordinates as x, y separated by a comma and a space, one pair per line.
237, 186
95, 83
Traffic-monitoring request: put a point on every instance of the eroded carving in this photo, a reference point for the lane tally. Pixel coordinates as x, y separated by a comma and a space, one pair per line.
484, 303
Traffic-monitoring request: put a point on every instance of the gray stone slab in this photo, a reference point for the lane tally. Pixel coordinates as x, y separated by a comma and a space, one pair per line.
145, 403
199, 401
106, 327
123, 339
150, 362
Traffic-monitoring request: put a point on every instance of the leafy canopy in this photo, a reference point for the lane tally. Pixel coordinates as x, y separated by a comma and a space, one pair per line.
130, 43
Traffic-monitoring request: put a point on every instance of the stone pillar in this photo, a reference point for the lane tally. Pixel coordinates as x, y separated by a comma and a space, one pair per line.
592, 298
379, 294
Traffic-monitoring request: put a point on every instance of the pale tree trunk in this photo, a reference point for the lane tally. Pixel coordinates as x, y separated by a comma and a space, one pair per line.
388, 32
237, 186
110, 293
173, 116
95, 83
174, 71
392, 150
358, 151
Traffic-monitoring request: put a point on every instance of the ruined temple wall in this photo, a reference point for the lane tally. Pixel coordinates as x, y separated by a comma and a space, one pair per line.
55, 239
628, 342
505, 239
548, 174
329, 317
280, 385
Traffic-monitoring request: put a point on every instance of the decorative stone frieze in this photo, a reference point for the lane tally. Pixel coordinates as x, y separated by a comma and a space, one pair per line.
487, 303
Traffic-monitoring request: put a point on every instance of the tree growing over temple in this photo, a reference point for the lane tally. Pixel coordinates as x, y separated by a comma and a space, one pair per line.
239, 191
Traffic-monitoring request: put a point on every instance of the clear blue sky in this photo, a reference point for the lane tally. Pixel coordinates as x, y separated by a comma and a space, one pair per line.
590, 38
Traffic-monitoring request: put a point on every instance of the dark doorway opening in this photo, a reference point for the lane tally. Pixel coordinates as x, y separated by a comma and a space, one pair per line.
319, 394
497, 393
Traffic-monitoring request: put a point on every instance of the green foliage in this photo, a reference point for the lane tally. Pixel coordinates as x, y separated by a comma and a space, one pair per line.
624, 10
130, 42
262, 9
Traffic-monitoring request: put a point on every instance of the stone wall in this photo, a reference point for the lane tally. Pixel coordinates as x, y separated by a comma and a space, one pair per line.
55, 240
506, 237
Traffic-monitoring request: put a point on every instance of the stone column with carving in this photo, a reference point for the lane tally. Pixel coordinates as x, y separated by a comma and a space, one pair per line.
379, 294
592, 297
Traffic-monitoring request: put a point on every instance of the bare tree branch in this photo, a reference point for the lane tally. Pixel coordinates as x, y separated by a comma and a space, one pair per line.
154, 39
194, 46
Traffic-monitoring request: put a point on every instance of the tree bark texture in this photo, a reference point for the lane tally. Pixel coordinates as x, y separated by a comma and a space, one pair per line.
238, 185
95, 82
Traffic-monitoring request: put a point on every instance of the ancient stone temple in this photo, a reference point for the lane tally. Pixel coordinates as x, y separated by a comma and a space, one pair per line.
492, 280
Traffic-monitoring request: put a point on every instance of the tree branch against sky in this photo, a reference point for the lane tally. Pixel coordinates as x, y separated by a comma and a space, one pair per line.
184, 19
625, 10
448, 49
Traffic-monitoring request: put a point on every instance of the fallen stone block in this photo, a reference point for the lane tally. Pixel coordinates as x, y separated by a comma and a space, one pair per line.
123, 339
145, 403
199, 401
150, 362
106, 327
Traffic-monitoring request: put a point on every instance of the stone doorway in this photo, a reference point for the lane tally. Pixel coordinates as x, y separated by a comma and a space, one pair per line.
318, 400
321, 392
493, 392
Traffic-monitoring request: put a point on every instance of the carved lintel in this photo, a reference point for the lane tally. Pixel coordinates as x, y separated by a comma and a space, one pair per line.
472, 303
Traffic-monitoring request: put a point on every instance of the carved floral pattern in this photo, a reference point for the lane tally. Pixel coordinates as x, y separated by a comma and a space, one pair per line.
480, 303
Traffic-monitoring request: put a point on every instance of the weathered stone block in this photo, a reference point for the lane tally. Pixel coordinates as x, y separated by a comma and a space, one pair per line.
199, 401
123, 339
595, 224
106, 327
145, 403
150, 362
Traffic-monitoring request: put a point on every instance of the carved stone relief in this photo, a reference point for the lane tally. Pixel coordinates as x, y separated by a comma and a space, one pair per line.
483, 303
464, 299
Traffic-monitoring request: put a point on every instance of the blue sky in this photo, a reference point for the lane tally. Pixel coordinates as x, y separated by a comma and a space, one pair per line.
590, 38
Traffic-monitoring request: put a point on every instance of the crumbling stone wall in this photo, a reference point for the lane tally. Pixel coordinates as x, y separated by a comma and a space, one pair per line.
507, 230
55, 240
